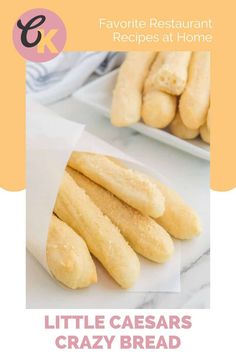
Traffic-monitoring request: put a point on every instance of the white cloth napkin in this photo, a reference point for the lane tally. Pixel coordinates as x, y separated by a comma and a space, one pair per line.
60, 77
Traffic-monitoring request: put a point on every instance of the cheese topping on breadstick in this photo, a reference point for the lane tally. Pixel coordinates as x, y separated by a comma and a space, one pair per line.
68, 256
178, 219
103, 238
128, 185
144, 235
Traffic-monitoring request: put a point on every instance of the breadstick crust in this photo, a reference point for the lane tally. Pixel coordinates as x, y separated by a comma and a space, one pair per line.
130, 186
68, 257
144, 235
179, 219
127, 95
205, 133
172, 75
158, 108
178, 129
103, 238
194, 102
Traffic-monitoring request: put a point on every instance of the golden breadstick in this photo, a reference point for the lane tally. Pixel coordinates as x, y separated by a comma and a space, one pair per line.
179, 219
143, 234
158, 108
194, 102
129, 186
172, 75
103, 239
68, 257
178, 128
127, 95
209, 119
205, 133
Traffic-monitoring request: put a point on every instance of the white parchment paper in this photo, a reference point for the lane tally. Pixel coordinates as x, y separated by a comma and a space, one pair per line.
50, 141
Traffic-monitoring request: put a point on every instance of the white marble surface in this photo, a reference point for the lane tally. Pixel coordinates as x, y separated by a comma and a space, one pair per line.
188, 175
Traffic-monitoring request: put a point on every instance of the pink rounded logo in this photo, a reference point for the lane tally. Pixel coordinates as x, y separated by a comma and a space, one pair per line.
39, 35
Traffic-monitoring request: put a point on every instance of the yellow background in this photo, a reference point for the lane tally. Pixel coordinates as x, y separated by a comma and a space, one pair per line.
81, 21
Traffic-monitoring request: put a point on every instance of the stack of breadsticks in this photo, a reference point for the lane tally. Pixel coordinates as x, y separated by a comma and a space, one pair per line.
114, 212
165, 89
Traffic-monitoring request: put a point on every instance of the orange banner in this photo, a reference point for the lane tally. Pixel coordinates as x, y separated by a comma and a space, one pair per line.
86, 32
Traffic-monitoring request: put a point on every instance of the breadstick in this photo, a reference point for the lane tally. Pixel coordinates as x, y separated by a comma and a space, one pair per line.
172, 75
144, 235
179, 219
194, 102
158, 108
126, 184
205, 133
127, 95
68, 257
178, 128
103, 239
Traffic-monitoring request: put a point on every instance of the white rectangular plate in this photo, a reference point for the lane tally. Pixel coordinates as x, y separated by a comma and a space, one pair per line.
98, 94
